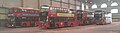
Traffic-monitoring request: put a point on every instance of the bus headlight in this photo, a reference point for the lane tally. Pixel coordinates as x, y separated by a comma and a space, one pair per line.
51, 15
12, 25
61, 23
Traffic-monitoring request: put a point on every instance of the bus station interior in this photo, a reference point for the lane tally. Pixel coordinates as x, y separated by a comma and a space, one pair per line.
91, 5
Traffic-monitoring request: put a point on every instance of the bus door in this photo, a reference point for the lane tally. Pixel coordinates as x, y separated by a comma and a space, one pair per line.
65, 21
43, 17
51, 22
18, 21
32, 20
32, 23
71, 21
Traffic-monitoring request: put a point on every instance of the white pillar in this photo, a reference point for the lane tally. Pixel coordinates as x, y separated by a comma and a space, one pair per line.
83, 6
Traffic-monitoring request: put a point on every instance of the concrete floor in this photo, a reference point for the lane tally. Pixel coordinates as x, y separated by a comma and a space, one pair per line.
110, 28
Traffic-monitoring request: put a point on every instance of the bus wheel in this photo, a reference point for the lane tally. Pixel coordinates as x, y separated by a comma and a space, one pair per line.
36, 25
71, 24
97, 24
79, 24
24, 25
57, 26
103, 23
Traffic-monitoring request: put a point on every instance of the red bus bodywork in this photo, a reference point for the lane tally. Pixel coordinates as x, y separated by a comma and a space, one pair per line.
82, 17
58, 18
55, 17
22, 16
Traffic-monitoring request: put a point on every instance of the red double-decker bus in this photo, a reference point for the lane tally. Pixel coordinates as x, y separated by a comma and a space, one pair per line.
23, 17
55, 17
82, 17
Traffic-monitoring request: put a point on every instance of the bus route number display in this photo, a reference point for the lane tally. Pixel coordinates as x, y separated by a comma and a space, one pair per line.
65, 15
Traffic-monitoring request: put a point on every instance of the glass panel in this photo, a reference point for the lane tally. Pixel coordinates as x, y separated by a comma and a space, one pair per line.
71, 19
29, 11
90, 13
15, 10
98, 12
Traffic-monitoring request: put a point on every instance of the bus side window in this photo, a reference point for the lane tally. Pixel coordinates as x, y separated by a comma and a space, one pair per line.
60, 20
57, 20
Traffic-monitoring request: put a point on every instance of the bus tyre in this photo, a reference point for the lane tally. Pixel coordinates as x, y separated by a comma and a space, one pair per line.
103, 23
57, 26
79, 24
97, 24
36, 25
71, 24
24, 25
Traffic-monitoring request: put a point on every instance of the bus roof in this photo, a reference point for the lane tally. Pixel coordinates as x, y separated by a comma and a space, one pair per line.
30, 9
24, 8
